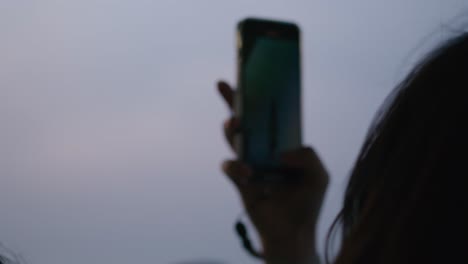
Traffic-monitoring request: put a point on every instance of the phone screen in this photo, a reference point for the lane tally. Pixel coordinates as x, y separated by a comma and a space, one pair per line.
270, 100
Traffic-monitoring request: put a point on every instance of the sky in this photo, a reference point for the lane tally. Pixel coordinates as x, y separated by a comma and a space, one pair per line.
110, 124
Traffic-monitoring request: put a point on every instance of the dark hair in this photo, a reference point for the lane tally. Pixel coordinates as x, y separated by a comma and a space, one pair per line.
406, 200
5, 260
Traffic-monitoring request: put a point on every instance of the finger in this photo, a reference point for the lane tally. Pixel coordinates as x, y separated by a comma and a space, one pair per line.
231, 128
227, 93
240, 173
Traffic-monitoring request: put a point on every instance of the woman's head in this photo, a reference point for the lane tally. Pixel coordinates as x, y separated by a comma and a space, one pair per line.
405, 201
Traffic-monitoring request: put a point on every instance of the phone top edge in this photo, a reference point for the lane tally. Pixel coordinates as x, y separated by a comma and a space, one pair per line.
261, 24
258, 20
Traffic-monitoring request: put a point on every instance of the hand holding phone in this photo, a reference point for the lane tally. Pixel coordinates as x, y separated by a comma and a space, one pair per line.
285, 216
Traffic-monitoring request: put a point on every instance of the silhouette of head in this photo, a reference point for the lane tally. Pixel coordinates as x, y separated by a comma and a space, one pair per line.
405, 201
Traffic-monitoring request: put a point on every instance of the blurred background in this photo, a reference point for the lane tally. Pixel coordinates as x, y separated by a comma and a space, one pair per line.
110, 124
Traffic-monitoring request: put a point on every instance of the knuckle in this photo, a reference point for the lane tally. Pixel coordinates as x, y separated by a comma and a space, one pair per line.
231, 168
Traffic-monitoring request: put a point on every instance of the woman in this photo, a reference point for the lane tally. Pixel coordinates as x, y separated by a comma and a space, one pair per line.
405, 201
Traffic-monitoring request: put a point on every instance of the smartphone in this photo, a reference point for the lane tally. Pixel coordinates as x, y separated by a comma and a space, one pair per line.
268, 98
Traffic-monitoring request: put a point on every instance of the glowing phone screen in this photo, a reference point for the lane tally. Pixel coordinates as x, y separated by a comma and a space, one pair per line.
271, 100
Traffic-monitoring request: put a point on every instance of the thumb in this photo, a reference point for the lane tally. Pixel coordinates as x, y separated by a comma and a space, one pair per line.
307, 159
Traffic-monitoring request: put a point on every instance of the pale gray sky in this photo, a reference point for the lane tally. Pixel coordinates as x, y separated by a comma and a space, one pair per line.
110, 139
